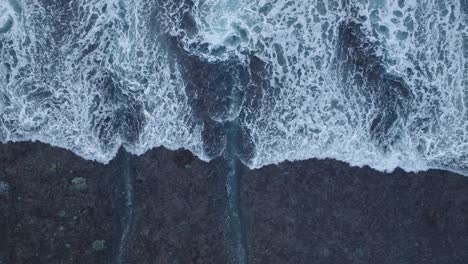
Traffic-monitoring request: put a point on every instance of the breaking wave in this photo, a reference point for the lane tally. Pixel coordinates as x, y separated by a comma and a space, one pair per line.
379, 83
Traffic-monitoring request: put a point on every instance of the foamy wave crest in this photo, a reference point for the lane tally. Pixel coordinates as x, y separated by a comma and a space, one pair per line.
378, 83
91, 76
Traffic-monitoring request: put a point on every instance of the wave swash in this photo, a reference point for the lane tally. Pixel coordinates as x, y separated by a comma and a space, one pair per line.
379, 83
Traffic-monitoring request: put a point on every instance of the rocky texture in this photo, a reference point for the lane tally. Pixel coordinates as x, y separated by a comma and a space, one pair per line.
56, 207
63, 209
44, 219
179, 210
327, 212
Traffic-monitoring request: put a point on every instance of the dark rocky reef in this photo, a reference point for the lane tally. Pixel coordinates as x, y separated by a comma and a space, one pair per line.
323, 211
56, 207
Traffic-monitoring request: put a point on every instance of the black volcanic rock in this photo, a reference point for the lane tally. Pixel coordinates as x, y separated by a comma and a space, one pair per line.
43, 218
179, 210
170, 207
60, 208
327, 212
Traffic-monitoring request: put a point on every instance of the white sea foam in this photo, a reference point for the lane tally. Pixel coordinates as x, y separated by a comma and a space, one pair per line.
70, 83
223, 29
8, 13
314, 115
54, 86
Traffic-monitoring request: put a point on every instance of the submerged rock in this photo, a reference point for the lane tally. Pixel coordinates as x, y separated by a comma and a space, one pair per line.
99, 245
79, 184
4, 188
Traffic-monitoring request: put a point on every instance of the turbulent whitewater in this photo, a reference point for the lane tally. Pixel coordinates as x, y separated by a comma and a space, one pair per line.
382, 83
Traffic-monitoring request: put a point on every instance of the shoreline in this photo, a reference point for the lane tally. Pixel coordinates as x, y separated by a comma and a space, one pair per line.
208, 160
61, 208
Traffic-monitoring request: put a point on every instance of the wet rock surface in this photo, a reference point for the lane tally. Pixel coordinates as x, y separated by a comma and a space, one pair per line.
327, 212
63, 209
56, 207
43, 218
179, 210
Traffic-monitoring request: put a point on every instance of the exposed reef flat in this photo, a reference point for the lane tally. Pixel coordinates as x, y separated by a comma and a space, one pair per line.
323, 211
60, 208
169, 207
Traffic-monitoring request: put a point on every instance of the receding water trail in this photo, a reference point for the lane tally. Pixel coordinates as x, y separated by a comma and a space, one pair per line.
234, 218
127, 212
124, 207
233, 167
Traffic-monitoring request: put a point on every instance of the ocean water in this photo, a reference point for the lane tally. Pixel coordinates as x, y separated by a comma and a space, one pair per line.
382, 83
